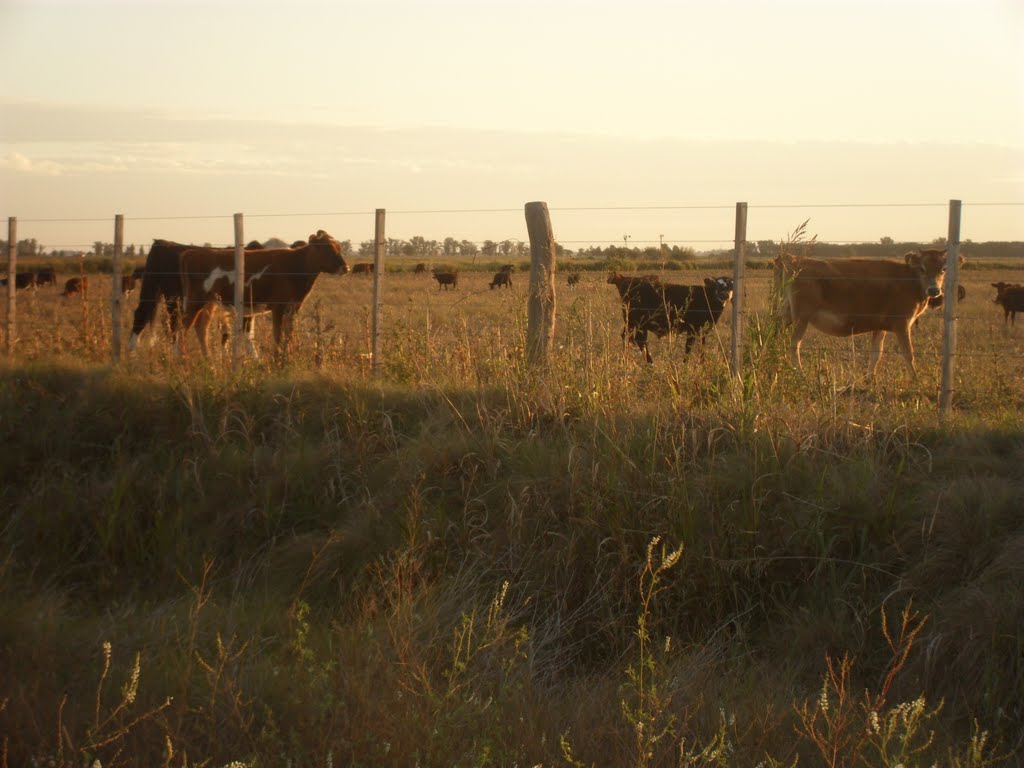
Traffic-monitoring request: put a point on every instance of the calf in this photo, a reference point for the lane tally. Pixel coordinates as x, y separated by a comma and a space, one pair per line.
421, 269
502, 278
843, 297
651, 305
277, 280
446, 279
363, 268
75, 285
1010, 296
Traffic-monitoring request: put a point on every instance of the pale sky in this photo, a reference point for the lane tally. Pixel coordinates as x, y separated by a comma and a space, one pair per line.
646, 119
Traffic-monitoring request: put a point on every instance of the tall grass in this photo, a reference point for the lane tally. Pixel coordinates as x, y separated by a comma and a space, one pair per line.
451, 563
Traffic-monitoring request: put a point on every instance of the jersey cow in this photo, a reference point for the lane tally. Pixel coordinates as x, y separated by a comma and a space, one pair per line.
844, 297
277, 280
649, 305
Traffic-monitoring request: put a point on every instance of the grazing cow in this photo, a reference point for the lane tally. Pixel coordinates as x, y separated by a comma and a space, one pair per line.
1010, 296
76, 285
363, 268
46, 276
500, 279
651, 305
573, 278
445, 279
421, 269
277, 280
843, 297
509, 268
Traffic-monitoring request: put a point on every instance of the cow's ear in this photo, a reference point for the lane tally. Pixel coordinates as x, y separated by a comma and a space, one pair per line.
911, 257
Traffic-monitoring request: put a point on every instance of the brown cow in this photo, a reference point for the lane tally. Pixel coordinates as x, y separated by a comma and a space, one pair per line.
421, 269
76, 285
1010, 296
363, 268
843, 297
573, 278
277, 280
500, 279
445, 279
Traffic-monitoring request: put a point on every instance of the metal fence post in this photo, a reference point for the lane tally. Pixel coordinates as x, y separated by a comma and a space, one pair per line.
950, 307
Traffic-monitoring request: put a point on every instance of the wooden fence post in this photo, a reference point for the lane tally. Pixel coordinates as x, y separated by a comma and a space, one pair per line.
950, 307
12, 271
239, 324
540, 327
379, 249
739, 265
115, 294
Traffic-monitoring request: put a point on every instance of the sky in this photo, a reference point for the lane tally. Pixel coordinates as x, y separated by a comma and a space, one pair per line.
636, 122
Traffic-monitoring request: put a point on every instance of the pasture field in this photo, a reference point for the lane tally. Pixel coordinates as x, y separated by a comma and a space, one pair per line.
463, 561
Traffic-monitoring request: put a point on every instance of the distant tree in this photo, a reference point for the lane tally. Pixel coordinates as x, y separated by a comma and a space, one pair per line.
450, 247
886, 241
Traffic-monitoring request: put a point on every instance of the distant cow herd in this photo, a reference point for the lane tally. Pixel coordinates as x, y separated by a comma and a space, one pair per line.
839, 297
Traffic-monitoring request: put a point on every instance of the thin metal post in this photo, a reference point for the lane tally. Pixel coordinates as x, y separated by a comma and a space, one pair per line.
115, 294
949, 305
239, 324
12, 272
380, 247
739, 264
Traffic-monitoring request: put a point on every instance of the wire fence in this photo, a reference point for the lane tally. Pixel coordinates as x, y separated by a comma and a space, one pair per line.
369, 298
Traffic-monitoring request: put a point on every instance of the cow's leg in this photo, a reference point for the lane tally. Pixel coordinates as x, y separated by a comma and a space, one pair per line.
907, 348
799, 329
249, 329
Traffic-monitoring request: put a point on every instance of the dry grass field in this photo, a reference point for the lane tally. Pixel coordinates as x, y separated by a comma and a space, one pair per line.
463, 561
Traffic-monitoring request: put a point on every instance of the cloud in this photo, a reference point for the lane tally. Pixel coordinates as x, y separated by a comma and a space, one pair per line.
15, 161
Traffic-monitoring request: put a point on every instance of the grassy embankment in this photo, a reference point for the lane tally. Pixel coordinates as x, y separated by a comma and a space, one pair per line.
452, 565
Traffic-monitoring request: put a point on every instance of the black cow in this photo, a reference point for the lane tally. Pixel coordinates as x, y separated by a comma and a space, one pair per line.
445, 279
1010, 296
46, 276
22, 280
649, 305
502, 278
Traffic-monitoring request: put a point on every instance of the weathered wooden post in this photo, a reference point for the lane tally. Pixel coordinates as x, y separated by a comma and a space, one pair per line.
379, 249
239, 324
12, 271
738, 268
115, 294
540, 327
950, 307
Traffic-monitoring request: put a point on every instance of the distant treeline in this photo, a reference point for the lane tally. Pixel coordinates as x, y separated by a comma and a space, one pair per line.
483, 255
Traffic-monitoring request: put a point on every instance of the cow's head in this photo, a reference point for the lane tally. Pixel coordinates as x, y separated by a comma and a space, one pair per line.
929, 266
1001, 289
331, 249
719, 287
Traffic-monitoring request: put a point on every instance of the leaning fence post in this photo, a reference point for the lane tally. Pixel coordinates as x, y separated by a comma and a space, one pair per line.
380, 245
12, 271
540, 327
949, 305
737, 285
115, 294
239, 323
